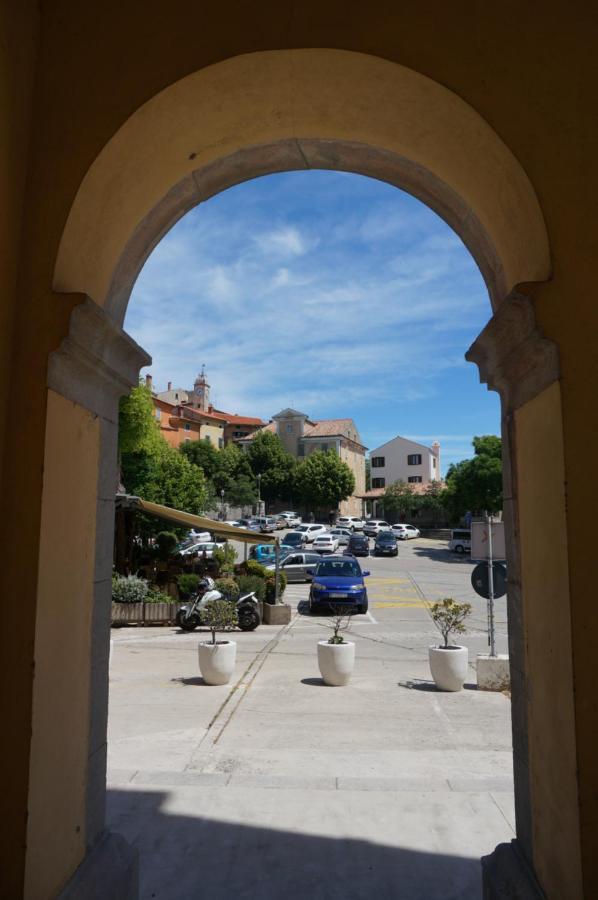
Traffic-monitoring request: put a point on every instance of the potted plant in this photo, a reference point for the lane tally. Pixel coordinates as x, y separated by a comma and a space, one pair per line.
336, 656
449, 662
217, 658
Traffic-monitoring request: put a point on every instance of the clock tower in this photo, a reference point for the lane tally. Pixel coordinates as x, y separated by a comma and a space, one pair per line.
201, 392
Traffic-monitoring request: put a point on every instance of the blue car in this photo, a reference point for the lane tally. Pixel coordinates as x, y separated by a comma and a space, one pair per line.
338, 580
266, 553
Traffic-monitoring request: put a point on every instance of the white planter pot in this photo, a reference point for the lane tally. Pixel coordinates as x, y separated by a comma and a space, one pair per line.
217, 661
448, 667
336, 662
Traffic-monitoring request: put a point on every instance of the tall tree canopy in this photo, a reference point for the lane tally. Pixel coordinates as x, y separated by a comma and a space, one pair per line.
226, 470
476, 484
322, 479
399, 499
137, 426
268, 458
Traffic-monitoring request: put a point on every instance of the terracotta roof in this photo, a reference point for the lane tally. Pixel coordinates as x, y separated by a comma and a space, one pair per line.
326, 427
418, 487
238, 420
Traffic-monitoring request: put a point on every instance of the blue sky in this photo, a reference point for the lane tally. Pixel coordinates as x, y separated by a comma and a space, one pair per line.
328, 292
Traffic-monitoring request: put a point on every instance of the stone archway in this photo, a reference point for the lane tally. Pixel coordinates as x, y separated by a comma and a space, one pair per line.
248, 116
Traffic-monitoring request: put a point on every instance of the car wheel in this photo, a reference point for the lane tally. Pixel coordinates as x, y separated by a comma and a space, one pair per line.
362, 608
459, 549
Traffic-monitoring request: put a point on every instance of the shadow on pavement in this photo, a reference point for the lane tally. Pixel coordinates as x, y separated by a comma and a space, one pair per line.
314, 682
196, 679
442, 554
421, 684
183, 856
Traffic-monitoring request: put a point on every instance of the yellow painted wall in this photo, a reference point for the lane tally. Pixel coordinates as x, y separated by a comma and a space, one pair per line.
531, 77
545, 579
59, 747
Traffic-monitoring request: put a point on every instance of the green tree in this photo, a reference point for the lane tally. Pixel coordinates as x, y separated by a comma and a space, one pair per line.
203, 454
268, 458
476, 484
400, 499
225, 470
137, 426
322, 479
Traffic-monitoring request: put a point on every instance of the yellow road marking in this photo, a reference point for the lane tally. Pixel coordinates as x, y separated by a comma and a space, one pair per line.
388, 580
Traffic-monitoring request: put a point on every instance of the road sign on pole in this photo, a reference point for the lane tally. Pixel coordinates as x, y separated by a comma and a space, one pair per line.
480, 581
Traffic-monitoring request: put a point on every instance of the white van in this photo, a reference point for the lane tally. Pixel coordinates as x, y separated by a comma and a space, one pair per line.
460, 541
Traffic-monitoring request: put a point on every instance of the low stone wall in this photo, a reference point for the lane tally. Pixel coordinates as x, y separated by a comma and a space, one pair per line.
144, 613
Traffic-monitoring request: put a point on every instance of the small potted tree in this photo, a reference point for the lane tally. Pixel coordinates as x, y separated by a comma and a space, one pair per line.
336, 656
217, 658
449, 662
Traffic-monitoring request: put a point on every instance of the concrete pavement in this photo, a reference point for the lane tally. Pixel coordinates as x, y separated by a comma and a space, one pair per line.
277, 786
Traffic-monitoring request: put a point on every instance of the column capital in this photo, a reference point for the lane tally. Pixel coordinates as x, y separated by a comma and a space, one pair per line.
513, 356
97, 362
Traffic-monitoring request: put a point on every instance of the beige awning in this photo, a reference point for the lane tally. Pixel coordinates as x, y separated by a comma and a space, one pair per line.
199, 522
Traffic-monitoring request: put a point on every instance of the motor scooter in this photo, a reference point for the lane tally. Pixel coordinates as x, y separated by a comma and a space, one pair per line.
189, 616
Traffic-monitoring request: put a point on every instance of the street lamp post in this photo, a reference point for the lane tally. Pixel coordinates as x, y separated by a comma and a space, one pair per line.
222, 504
259, 494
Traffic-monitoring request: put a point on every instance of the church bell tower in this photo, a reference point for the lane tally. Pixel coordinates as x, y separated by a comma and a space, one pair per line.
201, 392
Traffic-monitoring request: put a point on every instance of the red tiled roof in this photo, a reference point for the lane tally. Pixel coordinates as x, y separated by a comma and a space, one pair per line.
238, 420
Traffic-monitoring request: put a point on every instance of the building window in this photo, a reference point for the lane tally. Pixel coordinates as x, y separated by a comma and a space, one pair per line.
158, 414
378, 462
433, 462
414, 459
301, 450
379, 482
324, 447
187, 427
415, 479
220, 443
289, 427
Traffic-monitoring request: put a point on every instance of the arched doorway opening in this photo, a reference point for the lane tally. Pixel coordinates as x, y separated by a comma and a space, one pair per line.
247, 116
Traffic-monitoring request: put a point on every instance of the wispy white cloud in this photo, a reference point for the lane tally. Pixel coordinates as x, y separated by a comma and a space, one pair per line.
346, 308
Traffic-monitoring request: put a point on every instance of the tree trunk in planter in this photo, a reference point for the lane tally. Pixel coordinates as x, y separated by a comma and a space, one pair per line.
122, 613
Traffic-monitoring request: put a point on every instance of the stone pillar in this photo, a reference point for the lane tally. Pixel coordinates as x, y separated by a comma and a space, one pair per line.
69, 853
517, 361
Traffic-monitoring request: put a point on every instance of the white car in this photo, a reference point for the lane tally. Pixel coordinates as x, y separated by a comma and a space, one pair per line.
197, 536
353, 523
311, 531
325, 543
291, 518
374, 526
202, 547
404, 532
343, 535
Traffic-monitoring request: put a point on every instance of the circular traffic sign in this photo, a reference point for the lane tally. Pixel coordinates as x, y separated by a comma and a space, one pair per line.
480, 580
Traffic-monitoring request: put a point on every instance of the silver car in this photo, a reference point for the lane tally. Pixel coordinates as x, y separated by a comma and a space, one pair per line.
298, 566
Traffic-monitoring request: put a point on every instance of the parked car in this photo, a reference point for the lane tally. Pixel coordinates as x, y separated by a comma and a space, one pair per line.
373, 526
236, 523
291, 518
404, 532
196, 536
353, 523
252, 524
386, 544
311, 531
262, 552
266, 524
298, 566
343, 535
460, 541
359, 545
279, 521
325, 543
338, 581
202, 547
295, 539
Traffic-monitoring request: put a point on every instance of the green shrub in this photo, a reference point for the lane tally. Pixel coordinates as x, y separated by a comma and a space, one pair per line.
228, 587
252, 567
129, 589
449, 617
187, 585
219, 615
224, 558
249, 583
157, 596
166, 543
271, 586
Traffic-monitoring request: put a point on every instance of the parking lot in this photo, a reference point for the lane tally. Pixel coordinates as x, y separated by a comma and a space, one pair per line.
275, 785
